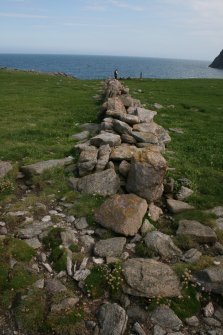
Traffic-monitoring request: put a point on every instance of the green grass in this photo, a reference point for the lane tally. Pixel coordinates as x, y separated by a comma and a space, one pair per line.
39, 113
199, 112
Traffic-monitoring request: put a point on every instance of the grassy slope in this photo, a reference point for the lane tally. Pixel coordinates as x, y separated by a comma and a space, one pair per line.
38, 113
198, 153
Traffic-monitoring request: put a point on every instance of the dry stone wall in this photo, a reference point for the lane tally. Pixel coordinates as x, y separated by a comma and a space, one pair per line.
130, 143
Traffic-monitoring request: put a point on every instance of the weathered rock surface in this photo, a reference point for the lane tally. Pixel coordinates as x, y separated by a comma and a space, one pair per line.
123, 152
81, 136
124, 168
54, 286
106, 138
162, 244
5, 167
191, 256
176, 206
146, 175
102, 183
166, 318
184, 193
211, 278
127, 217
87, 160
121, 127
145, 137
144, 115
112, 247
115, 103
40, 167
199, 232
103, 157
112, 319
149, 278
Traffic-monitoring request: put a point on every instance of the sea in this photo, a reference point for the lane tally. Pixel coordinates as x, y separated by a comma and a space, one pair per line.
101, 67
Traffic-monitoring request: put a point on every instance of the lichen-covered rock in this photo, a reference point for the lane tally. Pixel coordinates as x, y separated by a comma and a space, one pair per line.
121, 127
146, 175
149, 278
123, 152
101, 183
103, 157
112, 319
162, 244
111, 247
198, 231
122, 213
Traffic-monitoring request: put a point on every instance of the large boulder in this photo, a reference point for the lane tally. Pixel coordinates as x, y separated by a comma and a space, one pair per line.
122, 213
162, 244
146, 174
101, 183
5, 167
198, 231
106, 138
40, 167
149, 278
112, 319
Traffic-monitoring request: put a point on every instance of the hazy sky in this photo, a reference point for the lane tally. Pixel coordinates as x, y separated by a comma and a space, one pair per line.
188, 29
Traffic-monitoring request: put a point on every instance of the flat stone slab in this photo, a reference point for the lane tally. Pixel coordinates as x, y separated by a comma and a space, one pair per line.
5, 167
106, 138
112, 319
166, 318
177, 206
145, 137
149, 278
199, 232
40, 167
111, 247
145, 115
102, 183
122, 213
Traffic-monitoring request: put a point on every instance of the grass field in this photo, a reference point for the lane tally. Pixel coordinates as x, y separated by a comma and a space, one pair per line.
39, 113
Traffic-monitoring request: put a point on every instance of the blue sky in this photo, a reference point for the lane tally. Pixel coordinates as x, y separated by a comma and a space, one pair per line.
187, 29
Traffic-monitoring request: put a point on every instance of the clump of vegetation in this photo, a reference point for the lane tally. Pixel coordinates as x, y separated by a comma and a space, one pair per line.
53, 243
103, 278
20, 250
141, 250
197, 215
185, 242
68, 322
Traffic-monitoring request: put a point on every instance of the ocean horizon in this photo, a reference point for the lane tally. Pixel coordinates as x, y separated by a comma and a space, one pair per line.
102, 67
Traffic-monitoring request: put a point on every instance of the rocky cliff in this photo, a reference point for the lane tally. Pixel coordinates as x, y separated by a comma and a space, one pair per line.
218, 61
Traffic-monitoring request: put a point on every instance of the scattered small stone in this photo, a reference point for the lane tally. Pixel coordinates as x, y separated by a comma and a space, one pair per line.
81, 136
48, 267
212, 322
70, 219
208, 310
155, 212
157, 330
54, 286
199, 232
166, 318
34, 243
177, 130
184, 193
192, 321
112, 319
46, 218
111, 247
218, 211
97, 261
81, 223
219, 314
219, 223
176, 206
191, 256
5, 168
3, 231
138, 329
2, 224
65, 304
39, 283
146, 227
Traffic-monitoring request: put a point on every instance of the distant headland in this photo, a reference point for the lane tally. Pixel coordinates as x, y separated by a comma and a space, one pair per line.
218, 62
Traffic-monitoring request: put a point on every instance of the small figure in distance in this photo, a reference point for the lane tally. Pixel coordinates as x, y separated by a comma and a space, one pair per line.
116, 74
140, 75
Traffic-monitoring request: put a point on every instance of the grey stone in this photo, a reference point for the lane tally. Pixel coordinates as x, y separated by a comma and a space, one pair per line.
177, 206
177, 130
124, 168
81, 223
115, 103
192, 321
157, 330
129, 119
5, 168
166, 318
102, 183
81, 136
146, 175
184, 193
137, 314
127, 217
68, 237
211, 279
81, 275
121, 127
103, 157
40, 167
162, 244
218, 211
218, 314
112, 319
145, 115
93, 128
191, 256
138, 329
128, 101
208, 310
88, 242
34, 243
54, 286
112, 247
199, 232
128, 139
145, 137
39, 283
123, 152
106, 138
34, 229
219, 223
107, 124
48, 267
212, 322
3, 231
65, 304
149, 278
146, 227
154, 212
87, 160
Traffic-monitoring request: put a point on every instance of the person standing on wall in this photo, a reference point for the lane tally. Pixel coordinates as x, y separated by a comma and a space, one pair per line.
116, 74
